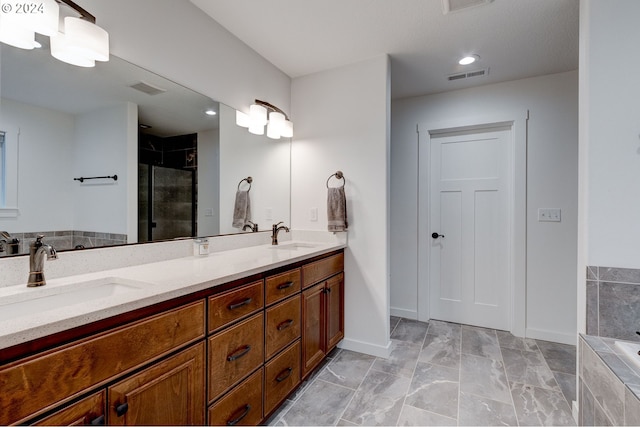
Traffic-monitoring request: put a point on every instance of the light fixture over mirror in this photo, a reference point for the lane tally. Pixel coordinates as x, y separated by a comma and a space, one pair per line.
263, 113
80, 42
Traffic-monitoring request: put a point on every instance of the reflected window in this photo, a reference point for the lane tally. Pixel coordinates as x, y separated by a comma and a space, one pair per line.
3, 178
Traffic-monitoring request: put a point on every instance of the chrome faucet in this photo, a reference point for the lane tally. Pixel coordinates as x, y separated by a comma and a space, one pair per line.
251, 226
275, 230
37, 250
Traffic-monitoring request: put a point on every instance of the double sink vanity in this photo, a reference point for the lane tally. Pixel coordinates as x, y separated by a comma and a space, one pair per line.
220, 339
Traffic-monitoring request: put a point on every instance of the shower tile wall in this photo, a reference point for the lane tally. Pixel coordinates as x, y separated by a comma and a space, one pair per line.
613, 302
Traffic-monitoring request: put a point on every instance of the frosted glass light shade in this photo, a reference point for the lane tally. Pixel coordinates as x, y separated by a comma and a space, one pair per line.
60, 50
46, 22
273, 130
258, 115
14, 33
86, 38
277, 120
287, 129
256, 128
242, 119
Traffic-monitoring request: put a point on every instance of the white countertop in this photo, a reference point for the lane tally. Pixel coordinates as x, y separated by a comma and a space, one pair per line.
146, 285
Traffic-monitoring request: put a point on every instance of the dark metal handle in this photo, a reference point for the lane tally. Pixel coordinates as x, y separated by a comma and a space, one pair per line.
240, 304
243, 413
98, 421
285, 324
436, 235
285, 285
238, 353
122, 409
284, 375
326, 291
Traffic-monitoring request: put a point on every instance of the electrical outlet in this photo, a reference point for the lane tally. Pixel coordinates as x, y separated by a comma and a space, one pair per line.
208, 212
549, 215
313, 214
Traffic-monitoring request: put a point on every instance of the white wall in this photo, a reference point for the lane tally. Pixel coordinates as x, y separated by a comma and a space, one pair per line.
552, 175
175, 39
102, 142
609, 139
44, 165
341, 122
208, 182
266, 160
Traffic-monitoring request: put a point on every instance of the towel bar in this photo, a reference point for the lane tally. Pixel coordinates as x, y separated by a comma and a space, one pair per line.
338, 175
249, 181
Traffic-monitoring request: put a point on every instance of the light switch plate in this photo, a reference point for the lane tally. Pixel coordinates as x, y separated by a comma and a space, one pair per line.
268, 214
313, 214
549, 215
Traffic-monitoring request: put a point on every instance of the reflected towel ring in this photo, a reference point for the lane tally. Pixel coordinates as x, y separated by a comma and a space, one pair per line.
249, 181
338, 175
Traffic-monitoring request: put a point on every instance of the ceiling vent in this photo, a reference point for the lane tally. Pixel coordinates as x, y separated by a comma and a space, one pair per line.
468, 75
147, 88
449, 6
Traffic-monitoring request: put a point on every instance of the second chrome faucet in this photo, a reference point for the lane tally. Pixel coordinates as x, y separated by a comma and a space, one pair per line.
276, 228
37, 251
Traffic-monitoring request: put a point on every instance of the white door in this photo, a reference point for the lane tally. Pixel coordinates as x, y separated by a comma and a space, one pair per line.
469, 219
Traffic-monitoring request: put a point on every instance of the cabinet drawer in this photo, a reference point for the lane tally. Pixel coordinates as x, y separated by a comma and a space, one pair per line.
234, 353
171, 392
321, 269
235, 304
282, 325
81, 413
242, 406
37, 383
282, 375
280, 286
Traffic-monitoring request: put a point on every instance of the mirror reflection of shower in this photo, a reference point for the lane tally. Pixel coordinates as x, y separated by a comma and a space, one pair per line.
167, 186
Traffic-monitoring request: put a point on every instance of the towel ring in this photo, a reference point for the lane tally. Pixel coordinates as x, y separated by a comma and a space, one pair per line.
249, 181
338, 175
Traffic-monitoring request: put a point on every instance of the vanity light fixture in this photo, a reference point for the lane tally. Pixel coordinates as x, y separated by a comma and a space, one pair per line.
263, 113
470, 59
80, 43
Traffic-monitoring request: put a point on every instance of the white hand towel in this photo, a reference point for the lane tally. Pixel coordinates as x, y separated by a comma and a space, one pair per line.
241, 209
337, 209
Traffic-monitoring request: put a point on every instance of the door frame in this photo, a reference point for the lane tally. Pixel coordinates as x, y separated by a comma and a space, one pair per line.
517, 205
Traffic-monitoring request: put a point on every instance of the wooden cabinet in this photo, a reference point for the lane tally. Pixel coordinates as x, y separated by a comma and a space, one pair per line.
242, 406
88, 411
170, 392
282, 325
281, 286
235, 304
322, 320
282, 376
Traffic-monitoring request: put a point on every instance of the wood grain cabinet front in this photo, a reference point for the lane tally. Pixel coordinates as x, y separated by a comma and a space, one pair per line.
40, 382
242, 406
235, 304
170, 392
280, 286
282, 326
322, 269
282, 376
88, 411
234, 353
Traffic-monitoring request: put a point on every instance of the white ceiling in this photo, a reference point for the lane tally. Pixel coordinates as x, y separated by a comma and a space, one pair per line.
514, 38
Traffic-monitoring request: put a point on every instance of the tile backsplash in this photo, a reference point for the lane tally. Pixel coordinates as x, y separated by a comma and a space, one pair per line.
613, 302
68, 239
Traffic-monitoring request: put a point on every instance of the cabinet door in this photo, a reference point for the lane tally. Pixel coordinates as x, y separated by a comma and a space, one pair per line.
335, 310
314, 330
87, 411
170, 392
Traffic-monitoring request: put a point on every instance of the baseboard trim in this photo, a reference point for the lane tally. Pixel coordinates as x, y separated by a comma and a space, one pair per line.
559, 337
404, 313
366, 348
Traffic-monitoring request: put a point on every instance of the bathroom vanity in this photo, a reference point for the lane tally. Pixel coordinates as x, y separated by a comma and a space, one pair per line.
228, 346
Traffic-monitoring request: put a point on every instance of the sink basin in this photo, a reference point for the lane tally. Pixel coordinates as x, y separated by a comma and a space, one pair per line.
43, 299
630, 349
294, 246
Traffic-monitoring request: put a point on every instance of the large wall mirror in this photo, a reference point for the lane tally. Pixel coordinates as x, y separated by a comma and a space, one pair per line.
178, 168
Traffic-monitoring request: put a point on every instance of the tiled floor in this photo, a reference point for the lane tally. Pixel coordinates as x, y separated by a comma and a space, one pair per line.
440, 374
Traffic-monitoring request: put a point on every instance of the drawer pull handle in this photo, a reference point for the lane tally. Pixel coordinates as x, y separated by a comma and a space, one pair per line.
243, 413
122, 409
240, 304
98, 421
285, 324
284, 375
238, 353
285, 285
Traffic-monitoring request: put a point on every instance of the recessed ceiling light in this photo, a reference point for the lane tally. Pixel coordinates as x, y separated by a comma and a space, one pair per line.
468, 60
210, 112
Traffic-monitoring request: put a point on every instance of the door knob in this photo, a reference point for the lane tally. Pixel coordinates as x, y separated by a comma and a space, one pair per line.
436, 235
